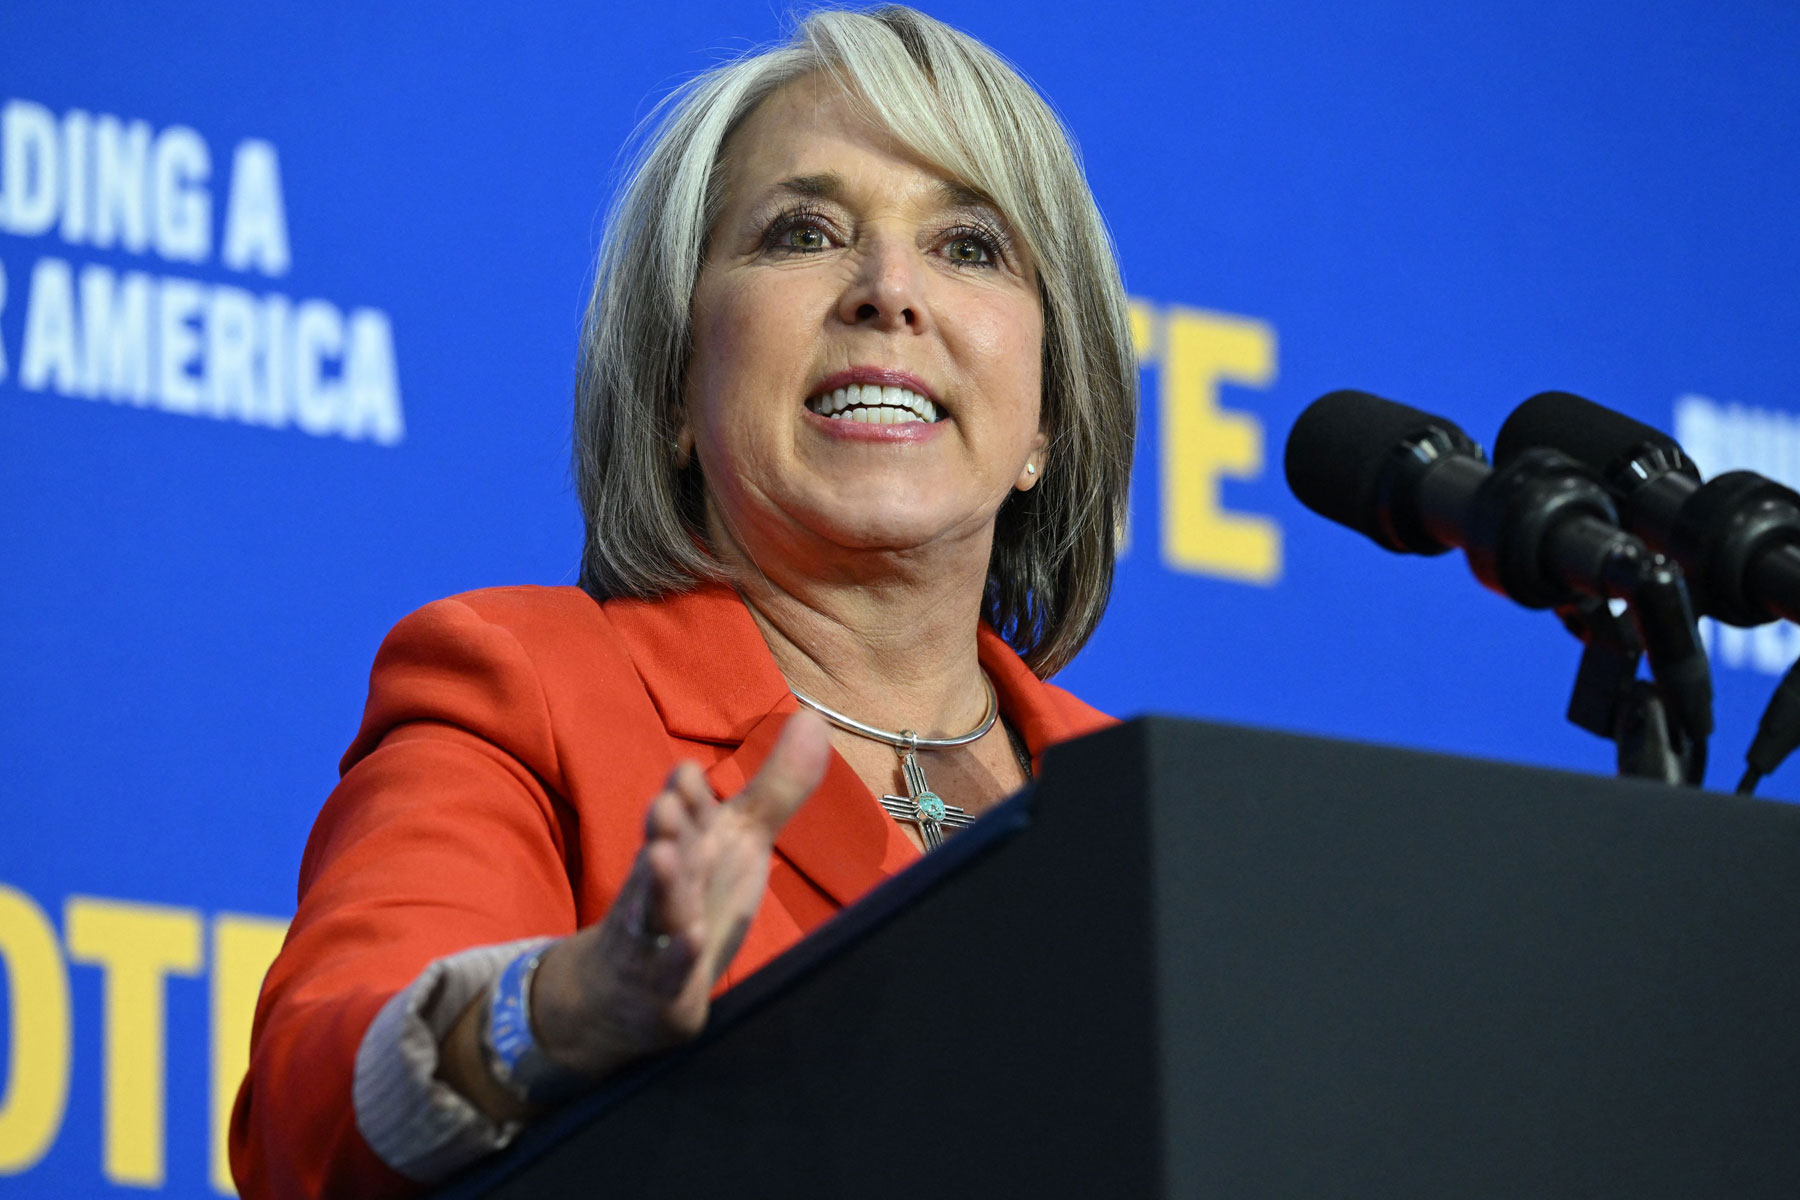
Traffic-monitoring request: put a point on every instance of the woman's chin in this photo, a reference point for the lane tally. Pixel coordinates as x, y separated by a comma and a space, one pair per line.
845, 509
892, 531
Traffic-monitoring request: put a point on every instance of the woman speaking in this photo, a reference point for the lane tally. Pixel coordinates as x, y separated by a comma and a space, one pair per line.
852, 433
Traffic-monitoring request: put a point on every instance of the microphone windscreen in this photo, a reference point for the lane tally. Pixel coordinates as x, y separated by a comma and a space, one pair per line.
1596, 437
1340, 447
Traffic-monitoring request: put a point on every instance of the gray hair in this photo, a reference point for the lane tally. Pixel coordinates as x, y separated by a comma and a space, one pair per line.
960, 106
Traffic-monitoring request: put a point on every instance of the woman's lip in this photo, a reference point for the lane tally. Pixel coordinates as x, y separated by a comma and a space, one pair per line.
864, 431
885, 376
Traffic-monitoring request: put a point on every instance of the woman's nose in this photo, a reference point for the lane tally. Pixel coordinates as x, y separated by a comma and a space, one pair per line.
886, 292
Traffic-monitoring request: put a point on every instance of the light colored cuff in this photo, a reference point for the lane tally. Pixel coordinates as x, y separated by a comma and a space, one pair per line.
415, 1122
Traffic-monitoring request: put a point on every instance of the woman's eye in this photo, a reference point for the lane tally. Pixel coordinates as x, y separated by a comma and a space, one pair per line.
972, 248
800, 234
967, 250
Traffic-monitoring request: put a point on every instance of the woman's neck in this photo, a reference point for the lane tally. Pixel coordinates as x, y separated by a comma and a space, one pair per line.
888, 639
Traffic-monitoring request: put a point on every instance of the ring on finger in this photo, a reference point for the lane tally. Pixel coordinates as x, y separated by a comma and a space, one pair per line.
639, 929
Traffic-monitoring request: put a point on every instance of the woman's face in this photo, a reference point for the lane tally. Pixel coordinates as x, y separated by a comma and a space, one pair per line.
846, 274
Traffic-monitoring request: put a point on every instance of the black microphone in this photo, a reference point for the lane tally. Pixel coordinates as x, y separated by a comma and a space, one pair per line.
1541, 530
1737, 537
1415, 483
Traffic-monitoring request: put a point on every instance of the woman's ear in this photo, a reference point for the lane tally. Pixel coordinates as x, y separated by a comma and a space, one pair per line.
684, 446
1034, 466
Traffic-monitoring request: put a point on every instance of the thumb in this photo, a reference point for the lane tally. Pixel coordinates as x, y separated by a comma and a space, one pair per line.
788, 776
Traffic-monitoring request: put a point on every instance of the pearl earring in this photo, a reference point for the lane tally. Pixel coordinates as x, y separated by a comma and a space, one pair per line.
1030, 469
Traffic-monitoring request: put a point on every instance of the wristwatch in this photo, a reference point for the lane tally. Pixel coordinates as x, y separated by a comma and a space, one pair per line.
509, 1047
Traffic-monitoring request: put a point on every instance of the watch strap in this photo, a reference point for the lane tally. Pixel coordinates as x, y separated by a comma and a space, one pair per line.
509, 1045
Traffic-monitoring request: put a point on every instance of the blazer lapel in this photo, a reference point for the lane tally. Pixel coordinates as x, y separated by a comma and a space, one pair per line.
1030, 703
712, 679
839, 838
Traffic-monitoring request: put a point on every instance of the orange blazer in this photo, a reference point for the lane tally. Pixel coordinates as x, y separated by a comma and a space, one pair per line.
512, 741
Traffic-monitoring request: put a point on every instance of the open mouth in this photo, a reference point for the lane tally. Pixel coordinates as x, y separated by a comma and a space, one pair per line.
875, 404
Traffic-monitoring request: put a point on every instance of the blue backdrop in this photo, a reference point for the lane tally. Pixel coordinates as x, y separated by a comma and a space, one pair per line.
288, 312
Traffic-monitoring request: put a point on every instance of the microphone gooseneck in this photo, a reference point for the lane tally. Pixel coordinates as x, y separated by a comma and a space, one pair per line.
1737, 536
1541, 530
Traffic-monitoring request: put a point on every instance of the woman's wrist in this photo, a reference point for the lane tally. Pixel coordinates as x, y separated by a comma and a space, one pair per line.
569, 1015
511, 1049
463, 1066
467, 1058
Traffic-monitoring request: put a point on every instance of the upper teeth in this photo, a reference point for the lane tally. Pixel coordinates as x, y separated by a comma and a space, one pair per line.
874, 404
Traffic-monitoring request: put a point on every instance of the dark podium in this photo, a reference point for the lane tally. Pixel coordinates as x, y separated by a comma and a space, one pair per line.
1203, 961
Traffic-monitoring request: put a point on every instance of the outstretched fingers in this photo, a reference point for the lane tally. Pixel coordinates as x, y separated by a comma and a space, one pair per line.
671, 935
790, 774
684, 806
668, 924
701, 873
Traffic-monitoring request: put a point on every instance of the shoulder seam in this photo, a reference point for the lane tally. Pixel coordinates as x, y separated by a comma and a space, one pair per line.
537, 680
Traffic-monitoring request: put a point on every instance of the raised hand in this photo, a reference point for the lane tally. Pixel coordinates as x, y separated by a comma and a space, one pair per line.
641, 978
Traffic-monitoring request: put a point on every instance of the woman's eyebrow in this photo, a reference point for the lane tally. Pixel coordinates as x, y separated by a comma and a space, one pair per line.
955, 194
826, 185
952, 194
829, 185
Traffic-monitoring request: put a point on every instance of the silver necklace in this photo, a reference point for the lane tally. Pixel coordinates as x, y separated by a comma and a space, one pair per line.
920, 806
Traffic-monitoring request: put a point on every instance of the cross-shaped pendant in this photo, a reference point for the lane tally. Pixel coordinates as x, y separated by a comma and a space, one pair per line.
923, 807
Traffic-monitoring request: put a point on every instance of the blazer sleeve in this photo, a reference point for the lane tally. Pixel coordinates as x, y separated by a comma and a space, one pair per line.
447, 830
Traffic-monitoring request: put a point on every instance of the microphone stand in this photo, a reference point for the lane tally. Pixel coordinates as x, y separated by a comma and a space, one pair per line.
1543, 531
1660, 726
1609, 700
